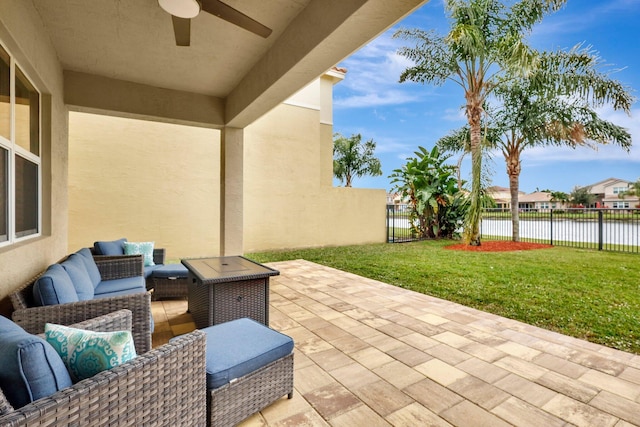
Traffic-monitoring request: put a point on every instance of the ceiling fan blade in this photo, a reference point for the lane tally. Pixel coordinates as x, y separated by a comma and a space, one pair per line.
182, 30
229, 14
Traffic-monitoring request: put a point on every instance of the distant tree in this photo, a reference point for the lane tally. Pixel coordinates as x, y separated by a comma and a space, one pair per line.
437, 204
353, 158
581, 197
558, 196
634, 190
486, 39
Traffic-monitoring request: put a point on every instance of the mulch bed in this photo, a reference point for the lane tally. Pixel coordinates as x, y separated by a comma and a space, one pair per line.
498, 246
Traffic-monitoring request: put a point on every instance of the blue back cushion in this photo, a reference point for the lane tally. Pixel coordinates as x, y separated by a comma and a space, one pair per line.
91, 266
31, 368
113, 247
54, 287
239, 347
74, 266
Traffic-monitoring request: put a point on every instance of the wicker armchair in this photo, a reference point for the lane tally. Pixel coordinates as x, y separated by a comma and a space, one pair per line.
163, 387
33, 318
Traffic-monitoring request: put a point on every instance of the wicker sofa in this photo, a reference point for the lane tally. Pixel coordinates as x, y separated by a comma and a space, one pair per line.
32, 317
162, 387
166, 280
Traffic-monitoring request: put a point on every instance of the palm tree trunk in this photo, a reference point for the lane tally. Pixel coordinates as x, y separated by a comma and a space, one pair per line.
475, 208
512, 157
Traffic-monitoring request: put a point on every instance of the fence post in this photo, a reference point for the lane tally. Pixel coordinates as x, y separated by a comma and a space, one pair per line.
600, 231
551, 227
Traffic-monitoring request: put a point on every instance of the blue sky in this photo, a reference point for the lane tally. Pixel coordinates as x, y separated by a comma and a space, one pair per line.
401, 117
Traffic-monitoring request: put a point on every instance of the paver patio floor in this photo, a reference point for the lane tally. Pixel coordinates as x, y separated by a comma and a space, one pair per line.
371, 354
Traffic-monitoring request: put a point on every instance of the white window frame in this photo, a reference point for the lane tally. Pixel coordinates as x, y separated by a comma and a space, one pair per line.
618, 190
14, 150
621, 205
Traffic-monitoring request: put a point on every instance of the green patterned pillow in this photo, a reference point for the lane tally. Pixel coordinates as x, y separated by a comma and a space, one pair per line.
140, 248
85, 353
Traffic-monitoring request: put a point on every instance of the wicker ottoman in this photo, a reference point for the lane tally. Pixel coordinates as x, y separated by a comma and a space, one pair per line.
169, 281
249, 366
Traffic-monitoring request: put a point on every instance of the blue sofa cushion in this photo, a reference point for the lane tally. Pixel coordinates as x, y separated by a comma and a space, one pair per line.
124, 286
31, 368
91, 266
112, 247
74, 266
170, 270
54, 287
239, 347
148, 271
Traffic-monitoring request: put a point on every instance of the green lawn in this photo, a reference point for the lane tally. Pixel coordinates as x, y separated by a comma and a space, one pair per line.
583, 293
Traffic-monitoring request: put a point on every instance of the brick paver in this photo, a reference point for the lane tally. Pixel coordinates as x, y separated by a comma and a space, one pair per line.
370, 354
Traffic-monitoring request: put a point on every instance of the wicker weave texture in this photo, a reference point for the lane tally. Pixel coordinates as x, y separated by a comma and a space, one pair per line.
221, 302
33, 318
166, 287
163, 387
230, 404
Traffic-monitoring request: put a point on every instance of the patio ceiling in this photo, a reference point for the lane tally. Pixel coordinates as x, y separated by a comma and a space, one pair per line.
120, 57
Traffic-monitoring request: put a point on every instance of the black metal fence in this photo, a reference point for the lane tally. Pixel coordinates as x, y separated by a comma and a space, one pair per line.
601, 229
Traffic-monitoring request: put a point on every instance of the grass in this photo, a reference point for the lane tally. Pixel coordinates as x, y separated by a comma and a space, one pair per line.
582, 293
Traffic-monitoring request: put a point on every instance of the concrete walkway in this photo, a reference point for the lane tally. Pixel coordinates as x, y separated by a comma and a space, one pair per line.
371, 354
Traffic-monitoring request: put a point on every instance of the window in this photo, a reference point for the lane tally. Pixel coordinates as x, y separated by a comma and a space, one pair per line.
20, 164
618, 190
621, 205
544, 205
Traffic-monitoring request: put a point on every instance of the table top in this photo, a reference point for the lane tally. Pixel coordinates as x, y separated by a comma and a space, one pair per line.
227, 269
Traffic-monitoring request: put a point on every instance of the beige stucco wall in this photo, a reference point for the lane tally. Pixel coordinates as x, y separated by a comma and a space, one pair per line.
157, 181
146, 181
21, 33
289, 199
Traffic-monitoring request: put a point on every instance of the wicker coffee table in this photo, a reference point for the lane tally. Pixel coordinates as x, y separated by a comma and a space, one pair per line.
221, 289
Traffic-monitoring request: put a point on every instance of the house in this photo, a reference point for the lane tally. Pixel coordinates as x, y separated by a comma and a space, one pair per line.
608, 192
502, 196
120, 60
540, 201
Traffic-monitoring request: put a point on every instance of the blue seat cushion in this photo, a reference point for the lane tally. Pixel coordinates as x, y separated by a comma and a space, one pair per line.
74, 265
110, 247
149, 269
239, 347
54, 287
91, 266
170, 270
31, 368
124, 286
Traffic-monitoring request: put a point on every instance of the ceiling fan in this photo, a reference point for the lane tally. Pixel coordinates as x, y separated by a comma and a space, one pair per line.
183, 10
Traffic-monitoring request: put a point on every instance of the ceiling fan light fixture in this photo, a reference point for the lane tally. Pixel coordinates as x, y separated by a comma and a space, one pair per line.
181, 8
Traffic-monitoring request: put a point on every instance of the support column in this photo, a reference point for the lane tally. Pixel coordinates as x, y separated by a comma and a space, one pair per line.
231, 191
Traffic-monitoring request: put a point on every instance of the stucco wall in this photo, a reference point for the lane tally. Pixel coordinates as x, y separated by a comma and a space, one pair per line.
21, 33
161, 182
146, 181
289, 199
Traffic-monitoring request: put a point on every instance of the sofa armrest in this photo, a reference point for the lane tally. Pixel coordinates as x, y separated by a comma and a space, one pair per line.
33, 319
164, 387
120, 320
119, 266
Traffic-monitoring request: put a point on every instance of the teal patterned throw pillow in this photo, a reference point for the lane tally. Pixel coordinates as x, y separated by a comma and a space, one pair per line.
140, 248
85, 353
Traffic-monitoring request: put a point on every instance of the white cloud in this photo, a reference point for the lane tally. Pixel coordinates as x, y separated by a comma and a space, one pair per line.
372, 76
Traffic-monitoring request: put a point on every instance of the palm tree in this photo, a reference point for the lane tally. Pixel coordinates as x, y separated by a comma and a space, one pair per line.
485, 41
352, 158
554, 105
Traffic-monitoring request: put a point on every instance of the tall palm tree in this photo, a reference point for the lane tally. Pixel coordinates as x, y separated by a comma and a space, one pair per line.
485, 41
554, 105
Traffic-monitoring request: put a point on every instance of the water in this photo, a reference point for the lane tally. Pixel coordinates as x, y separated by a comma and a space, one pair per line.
567, 230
